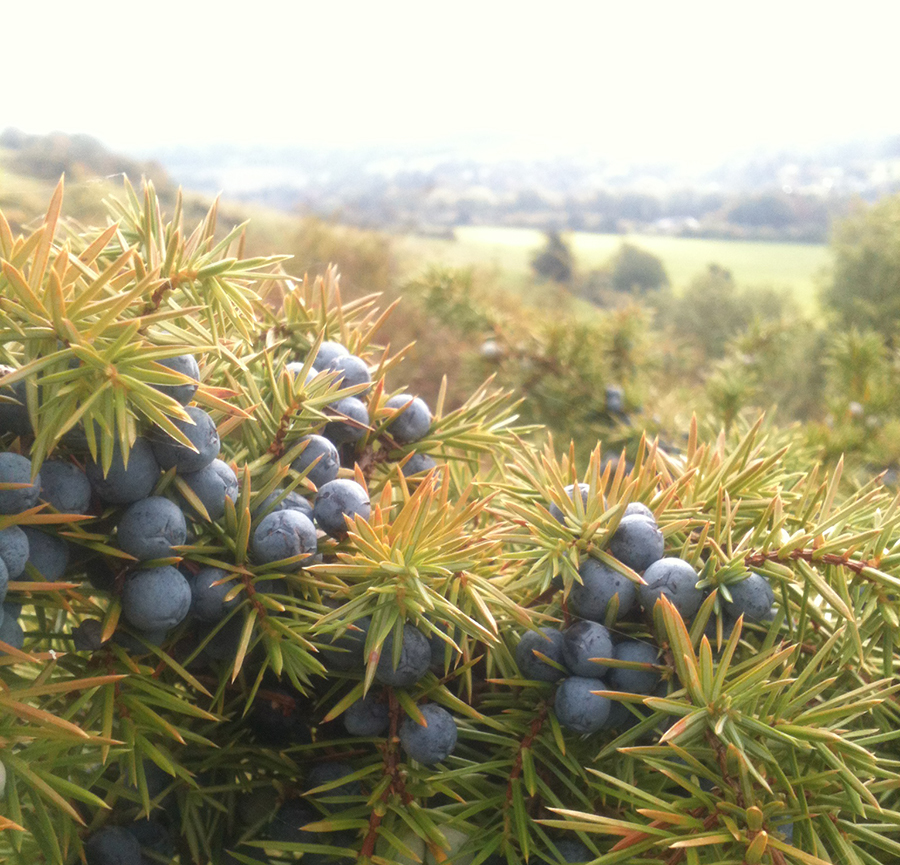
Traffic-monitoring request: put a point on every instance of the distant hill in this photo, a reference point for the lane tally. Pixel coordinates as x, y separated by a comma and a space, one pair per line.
31, 166
79, 157
786, 196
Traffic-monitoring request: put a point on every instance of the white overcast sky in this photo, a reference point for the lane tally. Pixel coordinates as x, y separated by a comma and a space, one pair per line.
678, 79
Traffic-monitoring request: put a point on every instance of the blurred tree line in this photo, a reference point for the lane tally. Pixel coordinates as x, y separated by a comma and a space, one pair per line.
610, 352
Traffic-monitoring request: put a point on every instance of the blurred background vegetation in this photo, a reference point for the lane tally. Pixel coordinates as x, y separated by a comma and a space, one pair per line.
600, 336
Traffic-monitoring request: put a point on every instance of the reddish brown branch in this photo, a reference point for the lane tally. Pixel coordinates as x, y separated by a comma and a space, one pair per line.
369, 459
533, 731
397, 787
277, 446
757, 559
543, 598
156, 298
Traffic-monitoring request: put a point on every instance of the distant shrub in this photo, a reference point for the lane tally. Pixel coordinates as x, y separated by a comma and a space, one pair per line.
864, 285
712, 310
636, 270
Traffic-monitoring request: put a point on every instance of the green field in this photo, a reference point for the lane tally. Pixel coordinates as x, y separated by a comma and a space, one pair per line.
508, 251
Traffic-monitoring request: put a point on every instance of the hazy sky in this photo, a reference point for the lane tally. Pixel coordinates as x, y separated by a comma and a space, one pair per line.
684, 80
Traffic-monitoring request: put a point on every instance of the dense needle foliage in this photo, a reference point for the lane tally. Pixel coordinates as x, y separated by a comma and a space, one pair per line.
772, 740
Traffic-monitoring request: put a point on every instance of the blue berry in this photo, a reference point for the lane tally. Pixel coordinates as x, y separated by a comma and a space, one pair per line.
295, 368
417, 464
208, 601
578, 709
582, 642
619, 716
414, 421
150, 528
367, 717
351, 370
329, 460
65, 486
87, 637
47, 554
439, 649
14, 551
599, 584
11, 631
639, 509
283, 535
573, 851
634, 681
16, 469
122, 485
257, 805
615, 399
14, 413
289, 821
329, 772
4, 581
637, 542
203, 436
677, 580
752, 597
328, 351
415, 659
186, 364
547, 641
112, 845
337, 500
432, 744
712, 628
212, 485
291, 501
223, 644
351, 423
346, 652
153, 838
156, 599
584, 489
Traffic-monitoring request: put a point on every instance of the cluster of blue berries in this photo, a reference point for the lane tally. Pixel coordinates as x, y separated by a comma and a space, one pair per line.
579, 655
350, 414
159, 586
368, 717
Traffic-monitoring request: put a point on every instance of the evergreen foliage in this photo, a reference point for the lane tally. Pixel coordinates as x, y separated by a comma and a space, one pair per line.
223, 738
555, 260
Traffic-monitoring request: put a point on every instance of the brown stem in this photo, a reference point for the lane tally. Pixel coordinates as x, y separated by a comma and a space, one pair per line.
533, 731
543, 597
757, 559
277, 446
156, 298
369, 459
392, 769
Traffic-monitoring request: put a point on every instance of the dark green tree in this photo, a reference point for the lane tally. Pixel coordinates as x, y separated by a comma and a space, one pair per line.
555, 261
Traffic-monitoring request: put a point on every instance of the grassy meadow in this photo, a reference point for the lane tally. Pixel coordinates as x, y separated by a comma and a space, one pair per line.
508, 251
